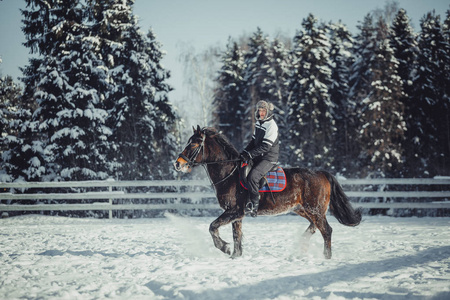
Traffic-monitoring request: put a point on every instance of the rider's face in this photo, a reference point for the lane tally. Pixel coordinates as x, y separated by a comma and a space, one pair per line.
262, 113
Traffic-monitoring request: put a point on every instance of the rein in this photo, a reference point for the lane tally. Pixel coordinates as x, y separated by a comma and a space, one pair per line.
191, 161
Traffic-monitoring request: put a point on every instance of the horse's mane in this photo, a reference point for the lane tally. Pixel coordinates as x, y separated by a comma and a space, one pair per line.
221, 140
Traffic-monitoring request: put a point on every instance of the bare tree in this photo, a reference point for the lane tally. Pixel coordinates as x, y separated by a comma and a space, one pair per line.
199, 70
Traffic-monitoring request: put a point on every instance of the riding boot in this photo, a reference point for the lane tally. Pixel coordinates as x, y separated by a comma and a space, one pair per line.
252, 205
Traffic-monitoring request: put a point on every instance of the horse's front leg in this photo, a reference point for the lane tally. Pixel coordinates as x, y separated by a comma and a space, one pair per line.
225, 218
237, 237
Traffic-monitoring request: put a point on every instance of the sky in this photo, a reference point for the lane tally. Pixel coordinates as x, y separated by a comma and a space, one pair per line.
200, 24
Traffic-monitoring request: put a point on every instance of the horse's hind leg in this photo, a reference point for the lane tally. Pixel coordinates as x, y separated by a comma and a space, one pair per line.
306, 236
326, 230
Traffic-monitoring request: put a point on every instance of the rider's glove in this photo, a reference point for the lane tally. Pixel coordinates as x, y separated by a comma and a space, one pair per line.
245, 155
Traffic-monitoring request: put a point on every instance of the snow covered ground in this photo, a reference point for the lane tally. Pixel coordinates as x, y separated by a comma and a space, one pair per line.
174, 258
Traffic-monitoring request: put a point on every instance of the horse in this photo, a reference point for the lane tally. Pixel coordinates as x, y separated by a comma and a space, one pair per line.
308, 193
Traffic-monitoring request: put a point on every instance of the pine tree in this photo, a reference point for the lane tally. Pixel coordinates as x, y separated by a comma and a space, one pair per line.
360, 78
10, 142
229, 108
281, 69
445, 129
10, 93
70, 111
140, 115
382, 121
311, 110
360, 74
404, 45
163, 118
24, 161
431, 109
341, 57
257, 75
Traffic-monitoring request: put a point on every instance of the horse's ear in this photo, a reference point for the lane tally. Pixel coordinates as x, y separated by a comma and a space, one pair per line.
198, 129
193, 128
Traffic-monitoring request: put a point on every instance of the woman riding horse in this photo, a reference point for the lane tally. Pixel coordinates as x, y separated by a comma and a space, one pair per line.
263, 150
308, 193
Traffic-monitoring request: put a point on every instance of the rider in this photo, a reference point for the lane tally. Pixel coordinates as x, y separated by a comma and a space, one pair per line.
263, 149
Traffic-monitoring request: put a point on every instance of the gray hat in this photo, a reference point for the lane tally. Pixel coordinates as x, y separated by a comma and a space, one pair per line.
265, 105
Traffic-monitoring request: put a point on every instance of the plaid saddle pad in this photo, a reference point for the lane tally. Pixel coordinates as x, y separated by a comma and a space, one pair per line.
276, 179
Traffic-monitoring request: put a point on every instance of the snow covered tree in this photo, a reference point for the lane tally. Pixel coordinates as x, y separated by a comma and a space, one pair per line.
382, 124
101, 93
10, 112
445, 130
139, 114
281, 67
258, 77
404, 45
360, 78
10, 93
281, 70
430, 108
312, 124
229, 109
23, 160
163, 117
70, 109
360, 72
341, 58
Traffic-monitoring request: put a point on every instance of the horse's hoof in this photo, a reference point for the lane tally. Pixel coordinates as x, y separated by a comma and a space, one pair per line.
327, 254
226, 249
236, 255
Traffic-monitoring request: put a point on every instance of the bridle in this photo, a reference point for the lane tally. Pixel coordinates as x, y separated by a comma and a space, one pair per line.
191, 163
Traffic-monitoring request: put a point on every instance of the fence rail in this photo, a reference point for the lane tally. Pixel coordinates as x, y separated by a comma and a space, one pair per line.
207, 193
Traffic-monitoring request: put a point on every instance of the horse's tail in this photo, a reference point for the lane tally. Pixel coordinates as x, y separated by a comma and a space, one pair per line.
340, 206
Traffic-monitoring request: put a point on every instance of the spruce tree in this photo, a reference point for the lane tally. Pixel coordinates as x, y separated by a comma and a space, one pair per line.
257, 75
445, 129
360, 74
431, 109
281, 69
229, 109
311, 111
341, 58
382, 124
10, 94
70, 109
360, 78
10, 128
141, 118
25, 161
404, 44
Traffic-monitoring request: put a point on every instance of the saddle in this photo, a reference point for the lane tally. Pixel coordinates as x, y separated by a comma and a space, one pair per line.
273, 181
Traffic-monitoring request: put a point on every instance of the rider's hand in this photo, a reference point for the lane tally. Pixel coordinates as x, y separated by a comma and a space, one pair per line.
245, 155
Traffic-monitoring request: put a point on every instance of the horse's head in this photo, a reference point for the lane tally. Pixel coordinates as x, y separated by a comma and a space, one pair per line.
193, 154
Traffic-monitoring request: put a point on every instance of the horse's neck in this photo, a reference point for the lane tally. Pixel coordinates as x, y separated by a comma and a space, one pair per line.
222, 169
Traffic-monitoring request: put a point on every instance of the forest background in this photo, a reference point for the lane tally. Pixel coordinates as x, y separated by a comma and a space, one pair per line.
93, 101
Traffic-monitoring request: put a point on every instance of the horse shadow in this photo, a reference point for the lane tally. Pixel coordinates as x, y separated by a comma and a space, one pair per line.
290, 285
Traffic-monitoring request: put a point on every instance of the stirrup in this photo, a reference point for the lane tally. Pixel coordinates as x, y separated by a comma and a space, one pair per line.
251, 209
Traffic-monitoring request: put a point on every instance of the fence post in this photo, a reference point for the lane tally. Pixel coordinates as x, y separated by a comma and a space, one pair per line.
110, 203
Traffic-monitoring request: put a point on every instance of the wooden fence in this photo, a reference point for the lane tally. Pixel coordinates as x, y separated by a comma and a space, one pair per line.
200, 194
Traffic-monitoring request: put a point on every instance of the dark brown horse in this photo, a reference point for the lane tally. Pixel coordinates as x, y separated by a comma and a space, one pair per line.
308, 193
